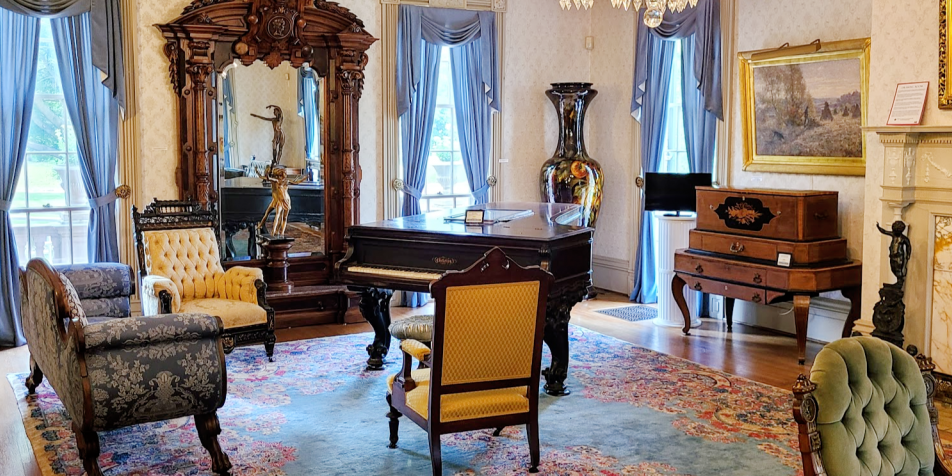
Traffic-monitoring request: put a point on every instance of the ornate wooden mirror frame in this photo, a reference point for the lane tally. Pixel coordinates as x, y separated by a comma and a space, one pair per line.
210, 34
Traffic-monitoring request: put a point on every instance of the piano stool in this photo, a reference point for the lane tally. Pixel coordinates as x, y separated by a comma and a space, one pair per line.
418, 328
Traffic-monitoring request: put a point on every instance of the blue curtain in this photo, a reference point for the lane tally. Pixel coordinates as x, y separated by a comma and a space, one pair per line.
19, 43
307, 108
94, 113
652, 113
473, 117
700, 124
416, 125
228, 108
105, 17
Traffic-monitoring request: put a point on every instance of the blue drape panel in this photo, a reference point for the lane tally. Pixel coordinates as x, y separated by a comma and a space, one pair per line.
95, 117
19, 43
445, 27
307, 108
473, 118
106, 21
704, 23
416, 125
700, 125
228, 108
660, 54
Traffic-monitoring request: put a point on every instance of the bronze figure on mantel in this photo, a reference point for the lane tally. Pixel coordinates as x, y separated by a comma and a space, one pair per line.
889, 314
277, 144
280, 199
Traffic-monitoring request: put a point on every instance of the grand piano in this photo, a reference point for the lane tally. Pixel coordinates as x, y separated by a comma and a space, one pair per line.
245, 199
408, 253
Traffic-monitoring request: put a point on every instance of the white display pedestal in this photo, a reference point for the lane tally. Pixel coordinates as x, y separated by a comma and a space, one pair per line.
671, 234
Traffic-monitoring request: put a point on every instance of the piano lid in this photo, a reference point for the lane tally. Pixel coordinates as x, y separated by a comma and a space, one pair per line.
546, 222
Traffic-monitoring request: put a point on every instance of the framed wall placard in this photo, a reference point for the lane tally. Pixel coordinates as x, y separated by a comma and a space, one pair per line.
805, 113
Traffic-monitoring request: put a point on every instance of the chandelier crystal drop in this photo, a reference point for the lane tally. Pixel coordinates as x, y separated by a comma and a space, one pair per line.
654, 9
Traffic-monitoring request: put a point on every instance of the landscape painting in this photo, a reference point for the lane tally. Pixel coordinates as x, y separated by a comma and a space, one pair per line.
805, 114
809, 109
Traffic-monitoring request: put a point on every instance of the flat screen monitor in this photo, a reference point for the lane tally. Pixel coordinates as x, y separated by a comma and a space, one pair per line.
673, 192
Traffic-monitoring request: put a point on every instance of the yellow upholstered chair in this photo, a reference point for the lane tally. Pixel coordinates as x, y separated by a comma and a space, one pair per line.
182, 272
486, 355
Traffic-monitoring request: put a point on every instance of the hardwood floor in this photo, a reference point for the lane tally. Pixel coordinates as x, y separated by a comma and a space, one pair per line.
757, 354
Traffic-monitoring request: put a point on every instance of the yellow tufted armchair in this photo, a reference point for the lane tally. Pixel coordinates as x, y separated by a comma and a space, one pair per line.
486, 356
181, 272
867, 409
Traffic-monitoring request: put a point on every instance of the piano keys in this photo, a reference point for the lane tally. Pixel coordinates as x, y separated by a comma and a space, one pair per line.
408, 253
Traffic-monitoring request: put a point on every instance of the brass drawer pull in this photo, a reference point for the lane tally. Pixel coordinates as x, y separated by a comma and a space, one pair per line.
699, 269
756, 298
697, 286
758, 279
737, 247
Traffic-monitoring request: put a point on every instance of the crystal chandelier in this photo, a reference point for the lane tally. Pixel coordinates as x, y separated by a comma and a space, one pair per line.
654, 9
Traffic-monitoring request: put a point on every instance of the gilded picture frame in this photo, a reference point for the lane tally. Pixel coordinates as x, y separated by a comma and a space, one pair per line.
805, 113
945, 91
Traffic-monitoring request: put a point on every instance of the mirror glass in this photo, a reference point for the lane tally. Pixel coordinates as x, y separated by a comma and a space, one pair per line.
264, 113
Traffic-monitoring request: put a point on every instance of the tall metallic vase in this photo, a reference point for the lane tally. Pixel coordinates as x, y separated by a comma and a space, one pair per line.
571, 176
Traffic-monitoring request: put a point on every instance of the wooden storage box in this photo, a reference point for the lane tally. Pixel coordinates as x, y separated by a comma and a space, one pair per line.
771, 214
768, 251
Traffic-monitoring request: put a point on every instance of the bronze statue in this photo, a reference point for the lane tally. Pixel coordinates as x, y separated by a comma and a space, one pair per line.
889, 314
899, 249
277, 144
280, 199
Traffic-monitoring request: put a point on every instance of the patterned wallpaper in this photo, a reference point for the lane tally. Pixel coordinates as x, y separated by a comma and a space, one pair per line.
158, 106
759, 26
536, 56
905, 40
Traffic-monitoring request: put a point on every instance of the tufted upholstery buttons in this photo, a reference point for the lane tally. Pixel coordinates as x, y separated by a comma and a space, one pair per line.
872, 415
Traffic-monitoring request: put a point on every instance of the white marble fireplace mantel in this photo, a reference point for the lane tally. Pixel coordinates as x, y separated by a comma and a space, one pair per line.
917, 188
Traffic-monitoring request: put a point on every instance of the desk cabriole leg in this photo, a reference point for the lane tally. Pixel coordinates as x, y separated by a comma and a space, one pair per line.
729, 313
677, 290
855, 295
801, 312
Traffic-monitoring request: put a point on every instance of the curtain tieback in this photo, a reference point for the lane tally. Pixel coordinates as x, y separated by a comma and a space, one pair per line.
105, 200
5, 205
482, 190
411, 191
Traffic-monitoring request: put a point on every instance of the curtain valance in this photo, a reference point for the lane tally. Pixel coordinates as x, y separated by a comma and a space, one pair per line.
443, 27
106, 20
704, 23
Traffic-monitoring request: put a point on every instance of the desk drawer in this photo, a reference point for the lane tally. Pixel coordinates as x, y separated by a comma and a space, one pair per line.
736, 291
748, 247
720, 269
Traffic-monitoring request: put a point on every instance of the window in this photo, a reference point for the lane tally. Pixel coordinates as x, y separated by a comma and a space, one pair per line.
50, 212
675, 156
446, 184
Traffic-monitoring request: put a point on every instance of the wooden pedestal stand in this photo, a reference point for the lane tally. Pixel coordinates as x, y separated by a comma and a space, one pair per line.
276, 267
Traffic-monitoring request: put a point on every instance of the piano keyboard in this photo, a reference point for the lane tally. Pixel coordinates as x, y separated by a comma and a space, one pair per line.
395, 273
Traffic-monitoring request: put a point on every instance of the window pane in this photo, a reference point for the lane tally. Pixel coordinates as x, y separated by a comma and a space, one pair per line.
80, 236
460, 183
19, 196
442, 136
76, 192
47, 126
444, 88
440, 204
21, 235
50, 237
47, 72
47, 180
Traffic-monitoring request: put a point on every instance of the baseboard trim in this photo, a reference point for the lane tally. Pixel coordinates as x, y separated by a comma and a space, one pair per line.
612, 274
827, 317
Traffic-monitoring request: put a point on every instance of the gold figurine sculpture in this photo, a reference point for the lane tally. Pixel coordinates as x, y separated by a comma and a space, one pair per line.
277, 144
280, 199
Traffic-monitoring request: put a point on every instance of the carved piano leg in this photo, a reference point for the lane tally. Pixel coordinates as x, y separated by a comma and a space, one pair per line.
556, 337
375, 307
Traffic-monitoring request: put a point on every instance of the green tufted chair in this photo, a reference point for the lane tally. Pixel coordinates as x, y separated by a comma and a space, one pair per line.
867, 410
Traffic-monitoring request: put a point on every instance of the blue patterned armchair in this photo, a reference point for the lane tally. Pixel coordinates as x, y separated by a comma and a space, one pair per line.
120, 372
104, 289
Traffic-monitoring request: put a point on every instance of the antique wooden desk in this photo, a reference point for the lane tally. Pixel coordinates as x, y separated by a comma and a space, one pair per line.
767, 246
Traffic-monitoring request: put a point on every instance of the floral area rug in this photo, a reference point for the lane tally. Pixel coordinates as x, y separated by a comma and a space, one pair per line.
316, 411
